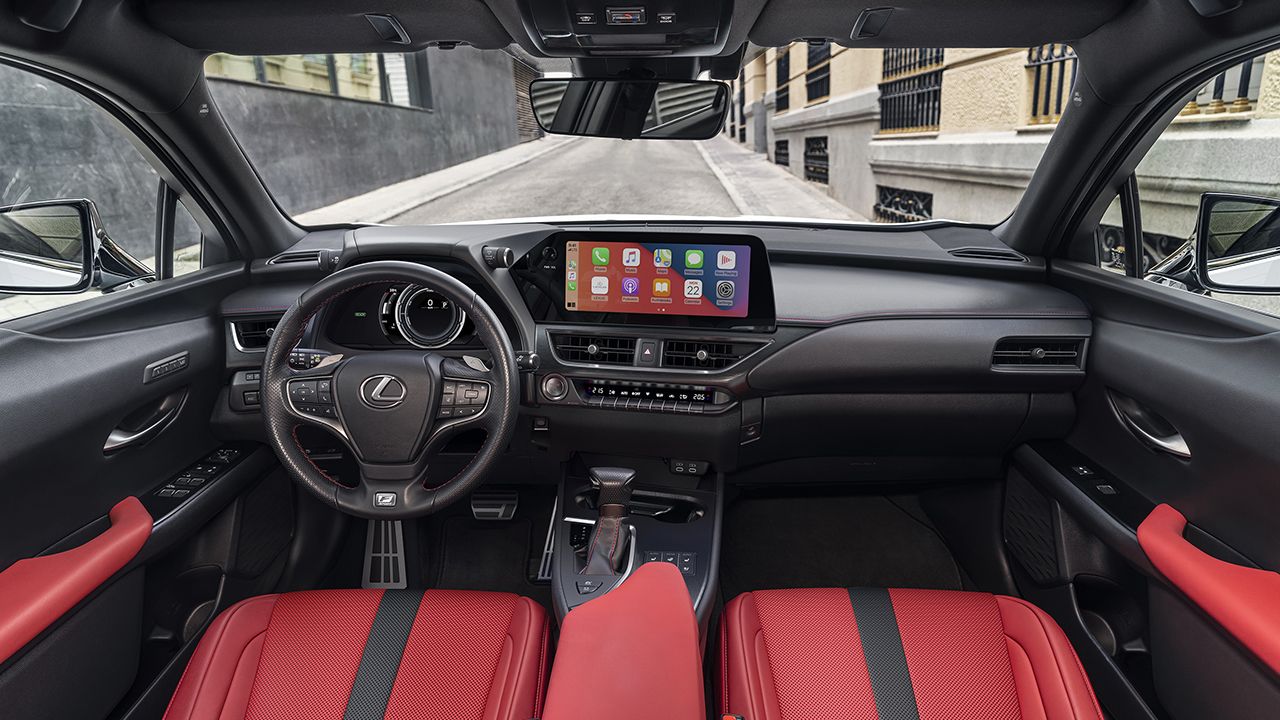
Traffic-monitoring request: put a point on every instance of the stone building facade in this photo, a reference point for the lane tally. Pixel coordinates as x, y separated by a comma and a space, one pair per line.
919, 133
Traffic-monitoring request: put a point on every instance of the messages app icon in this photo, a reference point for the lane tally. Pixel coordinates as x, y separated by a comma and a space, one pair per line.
693, 259
600, 256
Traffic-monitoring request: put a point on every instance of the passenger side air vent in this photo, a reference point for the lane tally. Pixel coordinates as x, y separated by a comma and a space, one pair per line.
1066, 353
704, 355
986, 253
595, 349
252, 335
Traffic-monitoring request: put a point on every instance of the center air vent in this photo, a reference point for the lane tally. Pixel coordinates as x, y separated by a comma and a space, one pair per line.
704, 355
253, 335
595, 349
1066, 353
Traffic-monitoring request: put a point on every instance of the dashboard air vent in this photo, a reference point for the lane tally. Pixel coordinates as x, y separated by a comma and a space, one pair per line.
595, 349
703, 354
252, 335
297, 256
1064, 353
988, 253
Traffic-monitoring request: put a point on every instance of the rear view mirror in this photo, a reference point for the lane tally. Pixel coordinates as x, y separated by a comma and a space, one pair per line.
46, 247
630, 109
1238, 244
59, 247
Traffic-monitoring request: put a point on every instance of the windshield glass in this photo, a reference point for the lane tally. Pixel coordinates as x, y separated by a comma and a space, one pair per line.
812, 131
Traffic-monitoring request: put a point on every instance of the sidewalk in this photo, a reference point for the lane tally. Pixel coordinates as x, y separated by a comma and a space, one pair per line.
386, 202
759, 187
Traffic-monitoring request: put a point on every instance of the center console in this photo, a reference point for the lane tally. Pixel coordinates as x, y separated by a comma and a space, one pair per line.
672, 515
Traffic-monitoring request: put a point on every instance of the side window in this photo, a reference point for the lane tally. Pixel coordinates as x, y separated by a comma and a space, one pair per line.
1224, 142
56, 145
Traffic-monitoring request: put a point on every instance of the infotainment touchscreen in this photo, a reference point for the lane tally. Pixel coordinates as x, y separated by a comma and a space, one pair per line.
657, 278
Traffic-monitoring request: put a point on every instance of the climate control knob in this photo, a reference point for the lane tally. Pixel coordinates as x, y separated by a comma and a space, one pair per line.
555, 387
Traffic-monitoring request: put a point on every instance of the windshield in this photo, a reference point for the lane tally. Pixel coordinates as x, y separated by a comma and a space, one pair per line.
812, 131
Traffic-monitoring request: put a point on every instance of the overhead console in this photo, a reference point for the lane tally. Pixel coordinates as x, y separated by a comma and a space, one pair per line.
600, 28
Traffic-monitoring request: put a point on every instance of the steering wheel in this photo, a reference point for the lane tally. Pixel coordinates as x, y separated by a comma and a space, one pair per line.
393, 409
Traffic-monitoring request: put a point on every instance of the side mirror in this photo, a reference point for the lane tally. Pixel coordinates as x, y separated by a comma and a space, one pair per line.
59, 247
630, 109
1238, 244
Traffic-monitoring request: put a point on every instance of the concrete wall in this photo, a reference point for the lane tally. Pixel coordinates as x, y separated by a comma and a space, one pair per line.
315, 149
54, 145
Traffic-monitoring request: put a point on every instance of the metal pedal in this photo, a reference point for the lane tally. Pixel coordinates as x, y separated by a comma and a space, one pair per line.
548, 549
494, 505
384, 566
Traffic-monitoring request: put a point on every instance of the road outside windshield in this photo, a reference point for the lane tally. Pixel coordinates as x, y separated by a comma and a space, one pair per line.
814, 131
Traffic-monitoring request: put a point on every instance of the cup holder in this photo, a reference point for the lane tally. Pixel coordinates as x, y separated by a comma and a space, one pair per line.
661, 506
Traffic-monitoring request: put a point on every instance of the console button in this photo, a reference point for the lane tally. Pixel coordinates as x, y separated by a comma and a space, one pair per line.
586, 587
647, 354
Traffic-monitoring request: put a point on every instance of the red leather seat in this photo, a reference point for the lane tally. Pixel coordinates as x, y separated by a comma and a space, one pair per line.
369, 653
878, 654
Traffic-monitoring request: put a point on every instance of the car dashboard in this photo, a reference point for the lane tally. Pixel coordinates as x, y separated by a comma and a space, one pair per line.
850, 354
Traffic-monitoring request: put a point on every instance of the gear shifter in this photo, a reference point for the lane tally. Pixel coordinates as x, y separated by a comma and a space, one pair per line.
608, 547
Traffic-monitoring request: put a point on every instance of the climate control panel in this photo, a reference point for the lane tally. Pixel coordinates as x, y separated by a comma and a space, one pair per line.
634, 395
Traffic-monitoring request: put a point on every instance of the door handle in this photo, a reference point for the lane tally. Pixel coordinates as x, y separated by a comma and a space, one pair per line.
131, 432
1153, 430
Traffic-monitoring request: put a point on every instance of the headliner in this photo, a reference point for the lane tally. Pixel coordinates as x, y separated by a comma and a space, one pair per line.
296, 26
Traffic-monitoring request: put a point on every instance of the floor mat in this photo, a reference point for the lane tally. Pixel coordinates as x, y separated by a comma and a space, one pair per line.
864, 541
463, 553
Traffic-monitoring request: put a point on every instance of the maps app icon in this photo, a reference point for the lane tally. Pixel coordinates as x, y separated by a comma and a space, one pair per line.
630, 286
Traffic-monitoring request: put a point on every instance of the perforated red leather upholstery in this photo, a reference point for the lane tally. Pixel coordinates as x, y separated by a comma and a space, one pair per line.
462, 655
791, 654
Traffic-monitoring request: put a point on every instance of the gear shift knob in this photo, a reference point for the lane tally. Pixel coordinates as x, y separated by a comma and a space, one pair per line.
609, 548
614, 484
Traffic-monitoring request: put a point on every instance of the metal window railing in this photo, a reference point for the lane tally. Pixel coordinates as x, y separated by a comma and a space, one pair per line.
782, 152
1235, 90
912, 103
817, 76
898, 205
817, 165
910, 61
1052, 69
782, 74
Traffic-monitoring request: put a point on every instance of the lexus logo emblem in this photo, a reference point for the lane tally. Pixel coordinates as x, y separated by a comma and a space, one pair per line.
383, 392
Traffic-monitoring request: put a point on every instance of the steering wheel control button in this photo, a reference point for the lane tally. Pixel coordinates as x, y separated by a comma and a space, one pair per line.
383, 392
302, 391
384, 499
324, 391
555, 388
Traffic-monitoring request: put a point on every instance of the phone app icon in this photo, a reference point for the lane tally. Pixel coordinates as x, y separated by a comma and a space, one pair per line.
726, 260
693, 288
662, 257
600, 256
661, 287
631, 257
573, 286
600, 285
630, 286
693, 259
725, 289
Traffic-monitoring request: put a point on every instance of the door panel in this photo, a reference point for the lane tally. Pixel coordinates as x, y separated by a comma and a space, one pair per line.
71, 377
1208, 373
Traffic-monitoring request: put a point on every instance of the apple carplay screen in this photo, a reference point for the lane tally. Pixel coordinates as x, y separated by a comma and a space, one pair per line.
664, 279
657, 278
